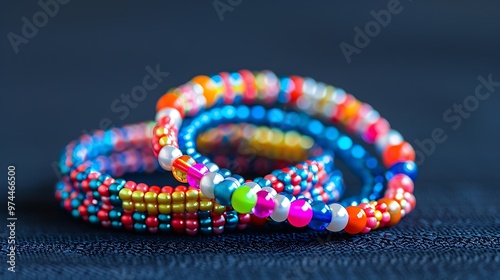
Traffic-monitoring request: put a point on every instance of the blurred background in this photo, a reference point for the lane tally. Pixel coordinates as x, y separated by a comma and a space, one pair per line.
63, 65
63, 80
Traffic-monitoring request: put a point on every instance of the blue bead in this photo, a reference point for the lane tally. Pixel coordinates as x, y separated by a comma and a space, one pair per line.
94, 220
242, 113
409, 168
75, 213
92, 209
164, 227
225, 172
288, 188
262, 182
140, 227
138, 217
115, 215
258, 113
163, 218
116, 224
223, 192
228, 112
240, 179
75, 203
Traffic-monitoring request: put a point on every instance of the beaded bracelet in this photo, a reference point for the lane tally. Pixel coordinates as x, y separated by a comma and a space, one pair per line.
313, 98
88, 193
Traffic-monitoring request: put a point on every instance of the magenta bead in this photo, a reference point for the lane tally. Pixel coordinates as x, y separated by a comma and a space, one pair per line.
380, 127
194, 174
300, 213
265, 204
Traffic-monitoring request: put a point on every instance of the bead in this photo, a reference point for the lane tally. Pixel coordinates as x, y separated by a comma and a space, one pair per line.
300, 213
173, 114
394, 210
409, 168
212, 167
270, 190
167, 155
357, 220
396, 153
171, 100
265, 204
254, 186
340, 218
243, 199
180, 166
393, 137
322, 215
224, 190
208, 182
401, 181
195, 173
281, 208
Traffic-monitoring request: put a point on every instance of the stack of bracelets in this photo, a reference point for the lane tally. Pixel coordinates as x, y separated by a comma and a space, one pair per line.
211, 128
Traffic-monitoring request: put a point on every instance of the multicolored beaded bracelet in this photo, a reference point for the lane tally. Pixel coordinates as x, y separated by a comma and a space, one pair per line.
89, 193
313, 98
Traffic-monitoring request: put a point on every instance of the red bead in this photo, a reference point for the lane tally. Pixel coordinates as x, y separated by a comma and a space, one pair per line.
256, 221
127, 220
130, 185
152, 221
103, 215
142, 187
178, 225
401, 181
103, 190
396, 153
167, 189
297, 92
218, 220
155, 189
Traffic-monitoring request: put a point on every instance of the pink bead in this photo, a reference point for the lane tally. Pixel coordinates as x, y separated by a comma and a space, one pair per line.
265, 204
300, 213
386, 217
410, 198
380, 127
371, 222
194, 174
401, 181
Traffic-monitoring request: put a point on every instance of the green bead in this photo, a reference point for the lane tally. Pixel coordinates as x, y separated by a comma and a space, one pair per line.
243, 200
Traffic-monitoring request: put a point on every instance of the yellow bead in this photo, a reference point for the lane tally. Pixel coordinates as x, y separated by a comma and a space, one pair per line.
219, 209
206, 205
178, 197
178, 208
152, 208
141, 207
150, 197
192, 206
125, 194
160, 131
128, 205
192, 195
164, 208
164, 198
138, 196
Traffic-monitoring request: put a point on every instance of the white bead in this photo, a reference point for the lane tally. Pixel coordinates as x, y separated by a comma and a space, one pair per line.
167, 155
270, 190
212, 167
281, 208
234, 180
254, 186
172, 113
393, 137
208, 182
339, 218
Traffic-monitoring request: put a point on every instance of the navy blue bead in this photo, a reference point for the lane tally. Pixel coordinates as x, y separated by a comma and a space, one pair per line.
409, 168
223, 192
322, 215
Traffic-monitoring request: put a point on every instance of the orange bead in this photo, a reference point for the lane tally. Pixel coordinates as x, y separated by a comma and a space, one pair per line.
357, 220
171, 100
210, 90
396, 153
394, 209
180, 166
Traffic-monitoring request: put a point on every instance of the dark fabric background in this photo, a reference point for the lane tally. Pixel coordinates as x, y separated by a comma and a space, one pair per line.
428, 58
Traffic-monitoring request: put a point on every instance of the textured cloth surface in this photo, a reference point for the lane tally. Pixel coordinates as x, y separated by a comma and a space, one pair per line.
454, 233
